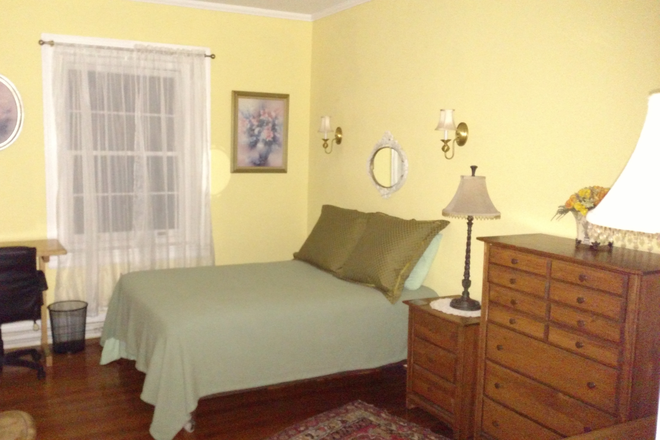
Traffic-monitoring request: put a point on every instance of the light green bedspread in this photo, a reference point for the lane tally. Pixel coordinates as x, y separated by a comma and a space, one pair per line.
206, 330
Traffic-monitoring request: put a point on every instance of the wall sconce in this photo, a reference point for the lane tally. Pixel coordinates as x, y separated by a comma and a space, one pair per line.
325, 129
447, 124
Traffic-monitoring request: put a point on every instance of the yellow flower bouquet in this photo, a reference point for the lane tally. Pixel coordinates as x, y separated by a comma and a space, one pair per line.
582, 201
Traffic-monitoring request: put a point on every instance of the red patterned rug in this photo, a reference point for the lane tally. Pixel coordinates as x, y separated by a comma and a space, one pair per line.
356, 421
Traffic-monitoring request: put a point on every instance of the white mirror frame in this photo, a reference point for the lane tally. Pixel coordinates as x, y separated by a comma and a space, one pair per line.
388, 142
11, 113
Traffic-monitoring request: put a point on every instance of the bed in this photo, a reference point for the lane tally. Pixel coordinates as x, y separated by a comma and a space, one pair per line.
201, 331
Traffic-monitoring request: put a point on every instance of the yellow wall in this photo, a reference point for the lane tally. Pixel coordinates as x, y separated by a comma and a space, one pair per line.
256, 217
554, 93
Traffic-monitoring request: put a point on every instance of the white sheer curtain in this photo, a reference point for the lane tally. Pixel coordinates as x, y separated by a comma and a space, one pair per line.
132, 165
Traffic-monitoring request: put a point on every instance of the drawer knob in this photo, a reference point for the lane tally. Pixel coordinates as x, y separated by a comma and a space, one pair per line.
512, 281
514, 302
579, 344
581, 323
498, 385
496, 424
512, 321
582, 277
514, 261
591, 385
580, 300
500, 347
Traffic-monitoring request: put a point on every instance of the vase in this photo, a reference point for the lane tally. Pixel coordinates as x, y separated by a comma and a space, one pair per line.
582, 228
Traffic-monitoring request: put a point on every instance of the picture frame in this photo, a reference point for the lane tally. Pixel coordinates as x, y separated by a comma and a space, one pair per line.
259, 132
11, 113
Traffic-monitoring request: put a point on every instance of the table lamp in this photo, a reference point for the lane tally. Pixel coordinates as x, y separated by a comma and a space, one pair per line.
630, 212
470, 201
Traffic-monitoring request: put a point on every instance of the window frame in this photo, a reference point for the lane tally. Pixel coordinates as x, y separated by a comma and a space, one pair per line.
51, 160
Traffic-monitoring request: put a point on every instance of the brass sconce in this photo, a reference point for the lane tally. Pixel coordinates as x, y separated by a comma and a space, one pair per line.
325, 129
447, 124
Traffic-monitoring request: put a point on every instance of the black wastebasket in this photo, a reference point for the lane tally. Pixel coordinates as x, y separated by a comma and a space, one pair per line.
67, 320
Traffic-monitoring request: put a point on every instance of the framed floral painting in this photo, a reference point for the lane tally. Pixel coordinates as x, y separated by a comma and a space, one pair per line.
11, 113
259, 132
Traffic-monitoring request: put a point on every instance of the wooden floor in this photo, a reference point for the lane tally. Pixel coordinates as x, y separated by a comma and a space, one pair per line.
81, 400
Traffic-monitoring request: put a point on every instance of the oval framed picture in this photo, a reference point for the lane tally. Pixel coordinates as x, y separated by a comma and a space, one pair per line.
11, 113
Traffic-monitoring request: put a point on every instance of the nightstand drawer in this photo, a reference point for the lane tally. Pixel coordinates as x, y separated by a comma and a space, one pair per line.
588, 277
435, 389
544, 404
587, 299
585, 322
438, 331
504, 424
517, 300
517, 321
434, 359
516, 279
580, 344
571, 374
519, 260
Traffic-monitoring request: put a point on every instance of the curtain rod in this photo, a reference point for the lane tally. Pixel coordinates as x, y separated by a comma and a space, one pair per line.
52, 43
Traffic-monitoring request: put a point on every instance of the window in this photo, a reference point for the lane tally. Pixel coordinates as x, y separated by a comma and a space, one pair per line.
127, 152
118, 167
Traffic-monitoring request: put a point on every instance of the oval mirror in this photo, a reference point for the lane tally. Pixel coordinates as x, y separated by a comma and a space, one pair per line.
11, 113
387, 166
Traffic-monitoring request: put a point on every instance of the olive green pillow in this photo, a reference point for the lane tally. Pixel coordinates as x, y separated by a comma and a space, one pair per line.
388, 251
333, 238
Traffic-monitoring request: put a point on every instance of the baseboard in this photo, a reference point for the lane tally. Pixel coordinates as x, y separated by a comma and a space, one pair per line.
22, 334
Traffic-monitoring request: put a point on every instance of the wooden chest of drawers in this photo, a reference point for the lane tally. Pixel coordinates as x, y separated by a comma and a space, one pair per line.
442, 360
570, 338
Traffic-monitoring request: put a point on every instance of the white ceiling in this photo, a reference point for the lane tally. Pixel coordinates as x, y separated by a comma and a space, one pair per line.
308, 10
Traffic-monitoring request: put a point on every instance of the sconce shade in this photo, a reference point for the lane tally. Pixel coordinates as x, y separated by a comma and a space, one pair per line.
446, 122
325, 125
471, 199
631, 211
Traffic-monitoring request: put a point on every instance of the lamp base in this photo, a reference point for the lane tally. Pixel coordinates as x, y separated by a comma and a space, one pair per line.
465, 303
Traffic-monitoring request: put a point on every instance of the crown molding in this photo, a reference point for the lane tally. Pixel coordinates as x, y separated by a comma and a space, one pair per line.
348, 4
199, 4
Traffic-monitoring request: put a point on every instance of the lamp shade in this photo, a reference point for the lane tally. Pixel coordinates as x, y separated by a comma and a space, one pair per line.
631, 205
446, 120
471, 199
325, 125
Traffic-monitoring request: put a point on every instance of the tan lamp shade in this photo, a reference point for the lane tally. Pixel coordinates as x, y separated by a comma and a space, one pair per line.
471, 199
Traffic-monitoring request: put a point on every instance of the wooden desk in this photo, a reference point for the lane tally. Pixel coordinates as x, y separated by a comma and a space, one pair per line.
45, 249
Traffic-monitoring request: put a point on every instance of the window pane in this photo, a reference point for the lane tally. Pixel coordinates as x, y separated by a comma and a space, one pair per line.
115, 213
115, 174
163, 211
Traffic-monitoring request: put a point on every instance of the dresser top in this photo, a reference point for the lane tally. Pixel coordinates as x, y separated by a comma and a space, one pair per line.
617, 258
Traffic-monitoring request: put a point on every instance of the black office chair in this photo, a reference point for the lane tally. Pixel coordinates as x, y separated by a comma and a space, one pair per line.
21, 297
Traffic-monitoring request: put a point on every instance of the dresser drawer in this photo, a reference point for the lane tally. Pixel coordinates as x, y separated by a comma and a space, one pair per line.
581, 344
437, 361
541, 403
585, 322
517, 321
516, 279
587, 299
522, 302
504, 424
433, 329
589, 277
569, 373
434, 389
519, 260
